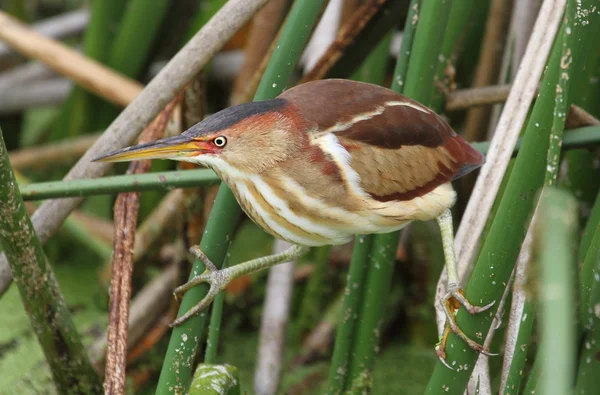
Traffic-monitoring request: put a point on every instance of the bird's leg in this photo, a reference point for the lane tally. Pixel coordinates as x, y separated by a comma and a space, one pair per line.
454, 297
218, 279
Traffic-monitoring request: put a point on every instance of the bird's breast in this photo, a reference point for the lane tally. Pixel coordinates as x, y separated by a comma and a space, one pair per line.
284, 209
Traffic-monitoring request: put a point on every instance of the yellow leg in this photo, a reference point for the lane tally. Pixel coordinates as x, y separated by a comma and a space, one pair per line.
218, 279
455, 297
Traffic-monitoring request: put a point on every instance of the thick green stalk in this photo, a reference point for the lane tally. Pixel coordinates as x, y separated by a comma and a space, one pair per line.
214, 329
589, 363
378, 283
40, 293
458, 19
312, 301
588, 258
178, 364
115, 184
555, 230
426, 49
214, 326
589, 274
535, 375
340, 361
408, 37
519, 359
506, 234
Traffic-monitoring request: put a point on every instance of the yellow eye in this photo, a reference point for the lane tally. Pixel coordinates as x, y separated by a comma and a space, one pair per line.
220, 141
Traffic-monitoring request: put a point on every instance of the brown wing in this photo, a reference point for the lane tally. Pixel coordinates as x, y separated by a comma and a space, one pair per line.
400, 148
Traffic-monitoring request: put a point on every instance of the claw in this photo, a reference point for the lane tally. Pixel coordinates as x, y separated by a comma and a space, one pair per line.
451, 302
441, 347
217, 279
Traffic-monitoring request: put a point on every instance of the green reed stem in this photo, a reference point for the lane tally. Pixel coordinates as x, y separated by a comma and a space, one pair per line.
40, 293
555, 230
589, 364
340, 362
115, 184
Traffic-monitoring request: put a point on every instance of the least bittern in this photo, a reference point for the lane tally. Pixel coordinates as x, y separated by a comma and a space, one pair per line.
323, 162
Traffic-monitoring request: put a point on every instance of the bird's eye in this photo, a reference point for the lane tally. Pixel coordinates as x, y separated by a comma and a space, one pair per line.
220, 141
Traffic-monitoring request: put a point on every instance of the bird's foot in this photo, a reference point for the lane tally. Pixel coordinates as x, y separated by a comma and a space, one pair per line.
217, 280
453, 299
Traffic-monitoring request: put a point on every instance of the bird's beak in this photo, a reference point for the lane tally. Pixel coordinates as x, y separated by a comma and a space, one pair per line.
168, 148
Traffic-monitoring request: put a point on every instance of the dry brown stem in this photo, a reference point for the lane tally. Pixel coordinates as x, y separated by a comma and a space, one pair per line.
60, 152
488, 65
486, 95
265, 26
57, 27
91, 75
125, 223
480, 96
345, 37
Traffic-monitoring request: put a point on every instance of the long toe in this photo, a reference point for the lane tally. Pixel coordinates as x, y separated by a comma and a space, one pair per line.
451, 301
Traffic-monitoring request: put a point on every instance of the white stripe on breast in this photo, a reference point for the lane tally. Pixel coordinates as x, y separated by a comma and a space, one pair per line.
331, 145
283, 209
352, 222
245, 194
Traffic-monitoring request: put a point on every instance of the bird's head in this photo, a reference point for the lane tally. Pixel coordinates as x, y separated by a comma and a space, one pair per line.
247, 138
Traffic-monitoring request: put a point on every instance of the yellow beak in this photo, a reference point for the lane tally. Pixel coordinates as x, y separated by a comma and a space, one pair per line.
168, 148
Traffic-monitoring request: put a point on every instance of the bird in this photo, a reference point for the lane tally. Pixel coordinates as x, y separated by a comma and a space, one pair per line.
323, 162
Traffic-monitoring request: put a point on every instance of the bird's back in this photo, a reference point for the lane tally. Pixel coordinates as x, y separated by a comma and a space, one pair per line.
386, 131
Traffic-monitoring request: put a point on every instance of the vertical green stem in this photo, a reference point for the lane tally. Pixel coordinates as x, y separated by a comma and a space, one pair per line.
340, 362
589, 363
405, 48
177, 368
555, 230
590, 255
519, 359
312, 303
377, 288
214, 329
44, 303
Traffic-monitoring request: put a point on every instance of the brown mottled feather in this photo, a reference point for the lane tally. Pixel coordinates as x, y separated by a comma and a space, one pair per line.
400, 152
